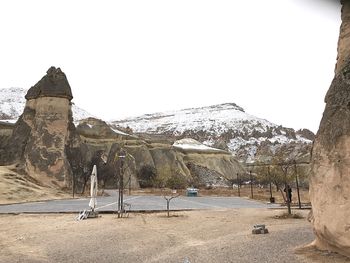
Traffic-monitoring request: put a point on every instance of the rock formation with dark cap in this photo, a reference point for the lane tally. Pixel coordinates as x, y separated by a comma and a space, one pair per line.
44, 135
53, 84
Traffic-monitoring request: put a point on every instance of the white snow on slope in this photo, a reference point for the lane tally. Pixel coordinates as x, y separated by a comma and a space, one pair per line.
120, 132
12, 103
9, 121
191, 144
214, 119
244, 133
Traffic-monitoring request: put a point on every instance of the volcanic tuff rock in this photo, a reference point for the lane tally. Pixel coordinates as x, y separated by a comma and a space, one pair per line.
96, 128
170, 165
45, 134
53, 84
225, 126
330, 178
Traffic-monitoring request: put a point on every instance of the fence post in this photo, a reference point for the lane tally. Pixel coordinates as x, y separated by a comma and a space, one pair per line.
251, 184
239, 185
297, 183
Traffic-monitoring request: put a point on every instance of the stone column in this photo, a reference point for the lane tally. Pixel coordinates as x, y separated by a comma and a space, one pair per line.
44, 138
330, 177
344, 37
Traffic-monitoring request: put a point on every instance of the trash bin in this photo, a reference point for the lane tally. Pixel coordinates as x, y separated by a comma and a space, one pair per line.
272, 200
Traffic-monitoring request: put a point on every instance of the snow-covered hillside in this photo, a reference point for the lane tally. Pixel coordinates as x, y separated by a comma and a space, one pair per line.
226, 126
12, 103
214, 119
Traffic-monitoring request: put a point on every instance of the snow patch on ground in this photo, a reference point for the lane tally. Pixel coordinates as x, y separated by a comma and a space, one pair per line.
120, 132
9, 121
191, 144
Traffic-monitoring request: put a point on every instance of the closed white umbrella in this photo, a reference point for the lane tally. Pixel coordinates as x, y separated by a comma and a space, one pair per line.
93, 189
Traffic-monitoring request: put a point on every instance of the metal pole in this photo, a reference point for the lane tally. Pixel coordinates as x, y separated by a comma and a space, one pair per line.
239, 185
251, 184
167, 205
287, 198
122, 189
297, 183
286, 187
120, 193
118, 198
270, 191
269, 174
73, 185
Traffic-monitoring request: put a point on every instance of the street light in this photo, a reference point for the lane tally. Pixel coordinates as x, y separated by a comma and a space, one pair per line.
122, 155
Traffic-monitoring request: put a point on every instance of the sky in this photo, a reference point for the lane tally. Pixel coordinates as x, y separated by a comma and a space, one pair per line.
274, 58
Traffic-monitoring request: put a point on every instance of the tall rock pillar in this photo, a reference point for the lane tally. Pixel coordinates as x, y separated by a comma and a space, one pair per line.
45, 134
330, 178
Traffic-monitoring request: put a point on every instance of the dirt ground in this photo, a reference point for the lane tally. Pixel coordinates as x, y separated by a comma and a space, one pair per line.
193, 236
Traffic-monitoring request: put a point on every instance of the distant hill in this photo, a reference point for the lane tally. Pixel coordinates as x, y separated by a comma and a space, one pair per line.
224, 126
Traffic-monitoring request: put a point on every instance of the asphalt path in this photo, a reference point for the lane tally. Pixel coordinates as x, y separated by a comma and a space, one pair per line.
136, 202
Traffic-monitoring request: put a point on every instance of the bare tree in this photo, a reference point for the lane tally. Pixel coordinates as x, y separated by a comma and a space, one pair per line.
124, 164
168, 198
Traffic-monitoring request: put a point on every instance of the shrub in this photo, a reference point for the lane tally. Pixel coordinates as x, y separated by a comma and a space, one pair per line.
146, 176
177, 181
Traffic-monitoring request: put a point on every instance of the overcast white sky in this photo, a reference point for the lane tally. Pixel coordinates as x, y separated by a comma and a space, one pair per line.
274, 58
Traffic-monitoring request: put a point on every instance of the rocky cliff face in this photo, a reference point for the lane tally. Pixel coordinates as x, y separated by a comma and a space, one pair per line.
344, 39
330, 178
45, 133
156, 163
167, 165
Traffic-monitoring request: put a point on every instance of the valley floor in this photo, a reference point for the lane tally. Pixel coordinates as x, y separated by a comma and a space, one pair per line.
195, 236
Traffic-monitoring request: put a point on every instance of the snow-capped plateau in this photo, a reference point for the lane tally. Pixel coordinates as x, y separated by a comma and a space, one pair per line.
225, 126
12, 103
216, 119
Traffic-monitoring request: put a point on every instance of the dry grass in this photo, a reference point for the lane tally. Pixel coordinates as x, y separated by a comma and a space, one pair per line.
262, 194
285, 215
17, 188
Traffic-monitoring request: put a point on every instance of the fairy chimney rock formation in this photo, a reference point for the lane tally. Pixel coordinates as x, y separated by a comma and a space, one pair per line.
45, 131
330, 177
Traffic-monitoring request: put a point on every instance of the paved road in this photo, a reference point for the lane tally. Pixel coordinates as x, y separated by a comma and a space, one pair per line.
138, 203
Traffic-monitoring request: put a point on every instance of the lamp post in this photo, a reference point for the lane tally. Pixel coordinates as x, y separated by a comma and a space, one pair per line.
239, 185
251, 183
250, 162
297, 183
122, 155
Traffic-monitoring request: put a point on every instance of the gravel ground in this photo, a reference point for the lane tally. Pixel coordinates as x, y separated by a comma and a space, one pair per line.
196, 236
